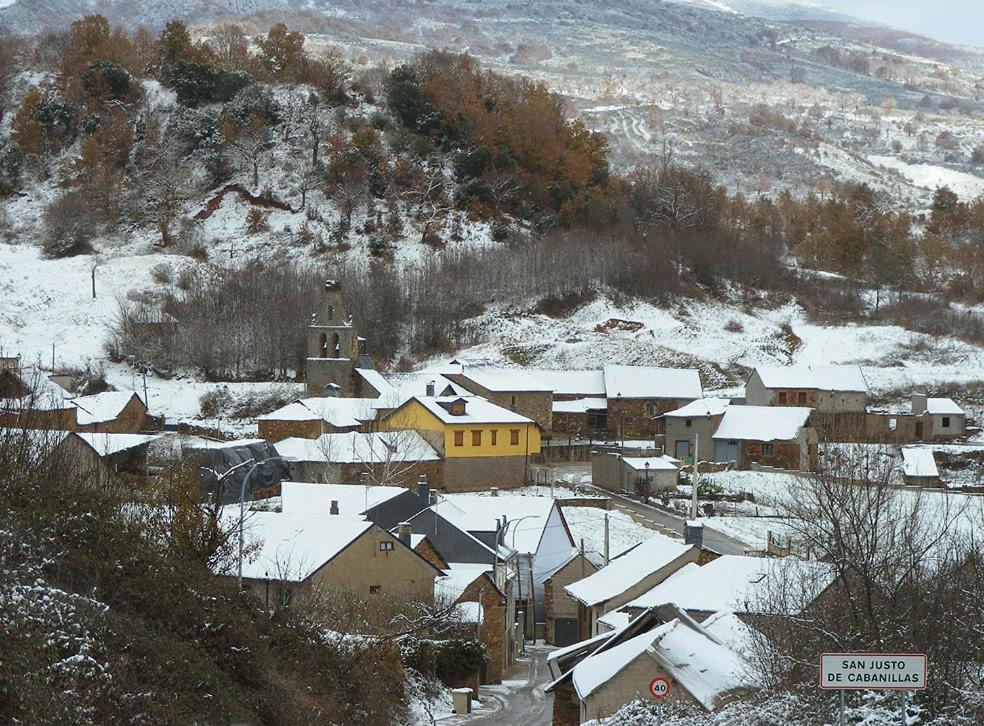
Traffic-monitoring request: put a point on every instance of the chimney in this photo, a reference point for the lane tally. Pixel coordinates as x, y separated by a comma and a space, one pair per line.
919, 401
423, 488
403, 532
334, 507
429, 390
694, 533
333, 390
494, 491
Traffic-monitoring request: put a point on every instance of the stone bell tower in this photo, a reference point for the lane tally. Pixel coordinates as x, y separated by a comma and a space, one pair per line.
333, 346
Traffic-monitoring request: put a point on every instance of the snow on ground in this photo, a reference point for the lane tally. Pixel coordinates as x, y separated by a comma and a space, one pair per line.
588, 523
931, 176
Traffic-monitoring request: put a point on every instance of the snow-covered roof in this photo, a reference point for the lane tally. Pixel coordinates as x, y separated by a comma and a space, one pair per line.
456, 580
293, 546
477, 513
919, 462
375, 379
733, 632
581, 405
340, 412
943, 406
505, 379
109, 444
820, 378
477, 410
404, 386
703, 667
101, 407
701, 407
738, 583
762, 423
589, 383
648, 382
588, 524
353, 499
628, 570
355, 447
656, 463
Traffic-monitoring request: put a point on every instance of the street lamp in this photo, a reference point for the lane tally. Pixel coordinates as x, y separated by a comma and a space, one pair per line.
242, 499
519, 573
645, 494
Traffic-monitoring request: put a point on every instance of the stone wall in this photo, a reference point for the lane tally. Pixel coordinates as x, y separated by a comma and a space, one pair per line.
493, 602
565, 422
536, 405
557, 603
785, 454
476, 473
274, 431
638, 413
131, 420
395, 474
566, 707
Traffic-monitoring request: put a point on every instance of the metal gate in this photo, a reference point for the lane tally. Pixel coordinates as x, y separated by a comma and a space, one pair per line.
565, 631
725, 450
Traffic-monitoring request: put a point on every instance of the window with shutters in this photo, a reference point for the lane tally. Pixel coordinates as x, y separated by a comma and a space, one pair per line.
476, 438
514, 437
459, 438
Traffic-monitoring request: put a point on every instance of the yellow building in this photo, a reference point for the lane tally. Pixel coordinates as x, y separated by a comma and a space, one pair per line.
483, 445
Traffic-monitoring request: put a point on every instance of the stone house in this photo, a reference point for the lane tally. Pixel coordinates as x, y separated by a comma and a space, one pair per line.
626, 577
638, 396
108, 456
696, 665
397, 458
838, 395
780, 437
475, 585
560, 609
583, 417
926, 419
510, 388
297, 553
629, 474
309, 418
483, 445
692, 424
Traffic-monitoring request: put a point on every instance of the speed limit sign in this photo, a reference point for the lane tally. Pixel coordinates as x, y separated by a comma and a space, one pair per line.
659, 688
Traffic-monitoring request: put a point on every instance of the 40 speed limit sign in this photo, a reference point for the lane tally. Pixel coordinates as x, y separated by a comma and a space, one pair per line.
659, 688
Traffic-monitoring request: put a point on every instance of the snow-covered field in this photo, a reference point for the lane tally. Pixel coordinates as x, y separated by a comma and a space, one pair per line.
930, 176
588, 523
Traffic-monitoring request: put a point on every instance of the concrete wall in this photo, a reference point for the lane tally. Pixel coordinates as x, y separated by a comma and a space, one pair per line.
704, 426
608, 471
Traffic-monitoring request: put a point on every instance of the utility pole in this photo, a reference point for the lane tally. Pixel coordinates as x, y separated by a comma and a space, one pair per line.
693, 498
606, 538
582, 558
93, 282
478, 636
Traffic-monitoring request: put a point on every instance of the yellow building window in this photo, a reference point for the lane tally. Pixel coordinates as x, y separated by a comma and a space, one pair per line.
476, 438
514, 437
493, 434
459, 438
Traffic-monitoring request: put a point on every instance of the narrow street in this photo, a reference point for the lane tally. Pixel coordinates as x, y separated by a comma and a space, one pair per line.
521, 699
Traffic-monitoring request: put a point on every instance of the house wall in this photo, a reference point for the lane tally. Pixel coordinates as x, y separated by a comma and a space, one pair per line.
566, 707
556, 602
785, 454
677, 430
477, 473
132, 420
536, 405
555, 546
274, 431
628, 684
426, 550
401, 575
493, 602
756, 393
639, 413
608, 471
956, 427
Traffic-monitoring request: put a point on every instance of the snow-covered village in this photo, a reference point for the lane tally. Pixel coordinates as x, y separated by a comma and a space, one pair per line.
367, 362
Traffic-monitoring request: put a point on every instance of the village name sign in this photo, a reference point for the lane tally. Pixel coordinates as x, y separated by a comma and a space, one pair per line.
874, 671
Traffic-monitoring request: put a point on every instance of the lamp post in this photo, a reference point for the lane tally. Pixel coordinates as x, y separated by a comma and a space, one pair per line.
242, 509
645, 494
519, 572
